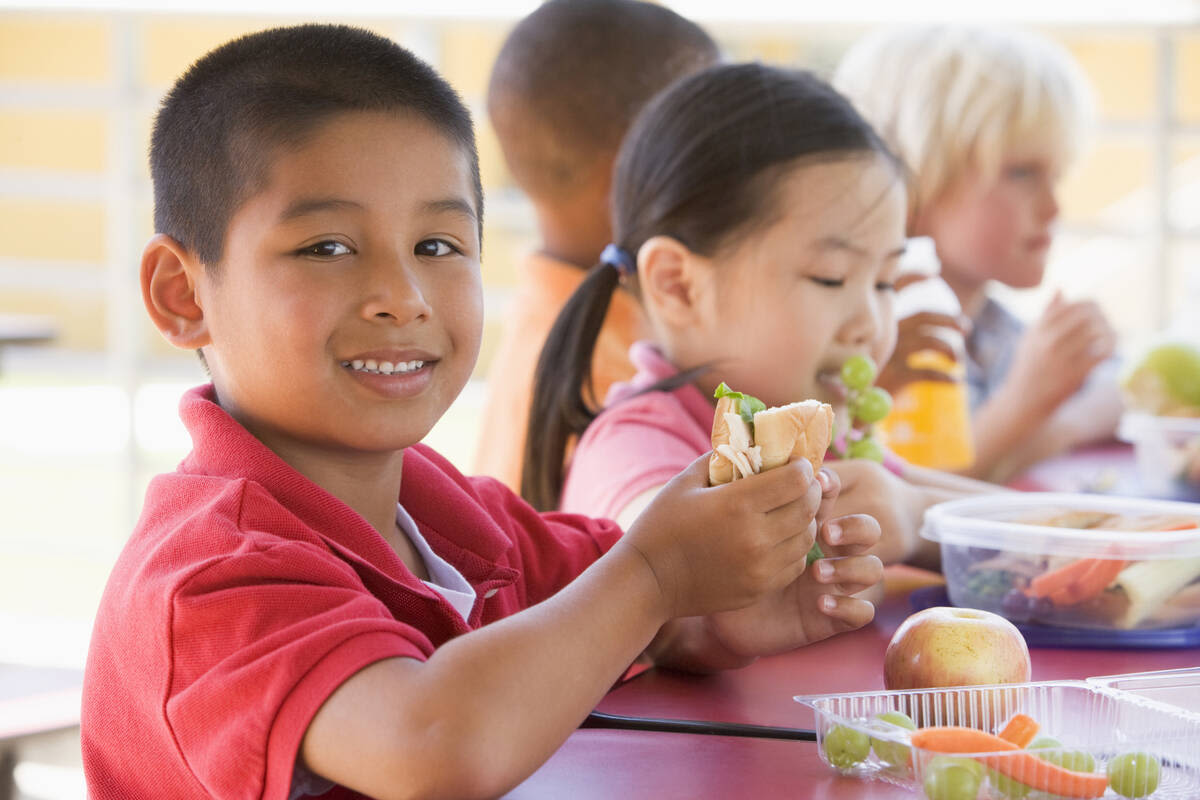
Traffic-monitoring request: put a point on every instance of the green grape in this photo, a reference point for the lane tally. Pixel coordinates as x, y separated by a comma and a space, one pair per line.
858, 372
893, 753
845, 747
1134, 774
1006, 786
1074, 760
867, 448
871, 405
950, 778
1042, 742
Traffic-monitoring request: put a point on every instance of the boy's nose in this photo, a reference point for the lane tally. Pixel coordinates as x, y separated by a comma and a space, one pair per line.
394, 293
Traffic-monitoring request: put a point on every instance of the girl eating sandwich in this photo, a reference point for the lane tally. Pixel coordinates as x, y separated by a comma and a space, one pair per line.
759, 220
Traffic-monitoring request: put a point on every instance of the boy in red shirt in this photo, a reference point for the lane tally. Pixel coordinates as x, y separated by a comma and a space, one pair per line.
315, 604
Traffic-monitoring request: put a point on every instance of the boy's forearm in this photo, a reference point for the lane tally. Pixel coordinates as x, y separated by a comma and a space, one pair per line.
491, 706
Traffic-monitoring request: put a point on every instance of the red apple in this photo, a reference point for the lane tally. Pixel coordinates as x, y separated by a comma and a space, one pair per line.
942, 647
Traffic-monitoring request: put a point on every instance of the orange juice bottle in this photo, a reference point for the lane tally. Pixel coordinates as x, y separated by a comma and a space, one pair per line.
930, 423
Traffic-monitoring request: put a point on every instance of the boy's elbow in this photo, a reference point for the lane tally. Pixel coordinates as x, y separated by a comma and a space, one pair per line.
451, 762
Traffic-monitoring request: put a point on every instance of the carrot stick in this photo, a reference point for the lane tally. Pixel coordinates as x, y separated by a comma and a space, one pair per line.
1020, 730
1020, 765
1078, 581
1050, 582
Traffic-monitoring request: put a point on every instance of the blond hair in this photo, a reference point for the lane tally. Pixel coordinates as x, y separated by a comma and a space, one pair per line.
948, 99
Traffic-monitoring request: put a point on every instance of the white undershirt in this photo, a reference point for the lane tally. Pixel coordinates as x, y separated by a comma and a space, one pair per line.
443, 579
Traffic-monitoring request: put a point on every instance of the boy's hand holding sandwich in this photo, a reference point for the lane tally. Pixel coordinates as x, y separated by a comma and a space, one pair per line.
799, 606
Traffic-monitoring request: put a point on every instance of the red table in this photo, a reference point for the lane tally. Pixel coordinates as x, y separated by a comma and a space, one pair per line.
634, 764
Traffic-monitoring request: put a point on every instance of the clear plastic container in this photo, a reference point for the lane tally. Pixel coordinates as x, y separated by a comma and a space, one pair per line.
1076, 560
1175, 687
1167, 451
1094, 723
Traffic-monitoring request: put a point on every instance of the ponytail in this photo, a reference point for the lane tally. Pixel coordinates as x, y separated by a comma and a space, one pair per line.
564, 402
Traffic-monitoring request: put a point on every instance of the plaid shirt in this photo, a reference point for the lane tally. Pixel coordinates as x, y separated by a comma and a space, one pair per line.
991, 346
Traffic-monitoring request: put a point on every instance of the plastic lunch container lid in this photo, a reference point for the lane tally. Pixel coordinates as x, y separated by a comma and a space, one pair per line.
1135, 423
994, 522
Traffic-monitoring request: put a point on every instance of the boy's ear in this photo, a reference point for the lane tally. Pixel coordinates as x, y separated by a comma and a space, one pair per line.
169, 275
667, 275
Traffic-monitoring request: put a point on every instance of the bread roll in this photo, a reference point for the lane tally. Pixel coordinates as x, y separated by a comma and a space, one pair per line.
803, 429
799, 429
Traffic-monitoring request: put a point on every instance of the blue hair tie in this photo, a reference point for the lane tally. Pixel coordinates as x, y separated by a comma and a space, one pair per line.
618, 257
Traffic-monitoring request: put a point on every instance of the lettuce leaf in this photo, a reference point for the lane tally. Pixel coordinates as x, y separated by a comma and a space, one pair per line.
747, 405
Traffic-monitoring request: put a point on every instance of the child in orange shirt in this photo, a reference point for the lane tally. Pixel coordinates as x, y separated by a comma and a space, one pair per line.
564, 89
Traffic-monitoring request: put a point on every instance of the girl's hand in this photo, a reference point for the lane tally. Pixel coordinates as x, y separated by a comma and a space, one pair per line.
817, 605
870, 488
720, 548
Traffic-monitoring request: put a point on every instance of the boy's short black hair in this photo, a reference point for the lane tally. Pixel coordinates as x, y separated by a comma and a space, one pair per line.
573, 74
222, 122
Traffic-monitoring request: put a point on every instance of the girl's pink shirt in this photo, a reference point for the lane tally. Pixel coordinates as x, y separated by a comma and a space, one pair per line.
641, 441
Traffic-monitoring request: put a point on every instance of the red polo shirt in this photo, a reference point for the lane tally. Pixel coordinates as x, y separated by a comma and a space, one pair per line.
247, 594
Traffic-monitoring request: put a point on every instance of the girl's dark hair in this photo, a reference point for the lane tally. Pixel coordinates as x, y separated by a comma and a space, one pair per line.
701, 164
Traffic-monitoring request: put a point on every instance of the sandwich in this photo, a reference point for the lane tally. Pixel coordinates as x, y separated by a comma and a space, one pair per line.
748, 437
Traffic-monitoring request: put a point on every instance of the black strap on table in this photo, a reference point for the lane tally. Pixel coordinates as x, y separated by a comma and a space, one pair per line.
598, 719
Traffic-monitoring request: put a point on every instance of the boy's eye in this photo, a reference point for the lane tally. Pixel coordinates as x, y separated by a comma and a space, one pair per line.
885, 286
326, 249
435, 247
830, 283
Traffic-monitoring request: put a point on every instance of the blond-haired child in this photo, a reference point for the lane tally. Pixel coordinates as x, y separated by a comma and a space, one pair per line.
986, 122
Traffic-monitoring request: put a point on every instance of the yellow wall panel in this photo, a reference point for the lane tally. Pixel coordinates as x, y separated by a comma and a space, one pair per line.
1121, 70
503, 250
492, 169
468, 52
42, 229
1187, 78
55, 48
1109, 171
74, 141
171, 44
79, 316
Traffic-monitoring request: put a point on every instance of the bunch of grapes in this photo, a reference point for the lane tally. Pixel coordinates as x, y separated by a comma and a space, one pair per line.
867, 405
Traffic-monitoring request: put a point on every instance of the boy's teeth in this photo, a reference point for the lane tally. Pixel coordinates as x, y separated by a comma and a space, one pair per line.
383, 367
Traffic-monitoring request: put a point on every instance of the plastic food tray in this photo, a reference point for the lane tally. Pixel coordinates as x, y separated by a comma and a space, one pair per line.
1090, 716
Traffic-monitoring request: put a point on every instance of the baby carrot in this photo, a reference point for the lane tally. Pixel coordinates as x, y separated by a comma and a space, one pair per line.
1020, 730
1013, 762
1050, 582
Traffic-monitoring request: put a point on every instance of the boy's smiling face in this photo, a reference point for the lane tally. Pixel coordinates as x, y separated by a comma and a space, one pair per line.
361, 250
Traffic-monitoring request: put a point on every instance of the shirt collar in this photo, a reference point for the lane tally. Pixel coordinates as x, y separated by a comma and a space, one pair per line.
651, 367
440, 500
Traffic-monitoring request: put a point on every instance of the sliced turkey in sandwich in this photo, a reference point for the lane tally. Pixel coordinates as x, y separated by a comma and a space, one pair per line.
748, 437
